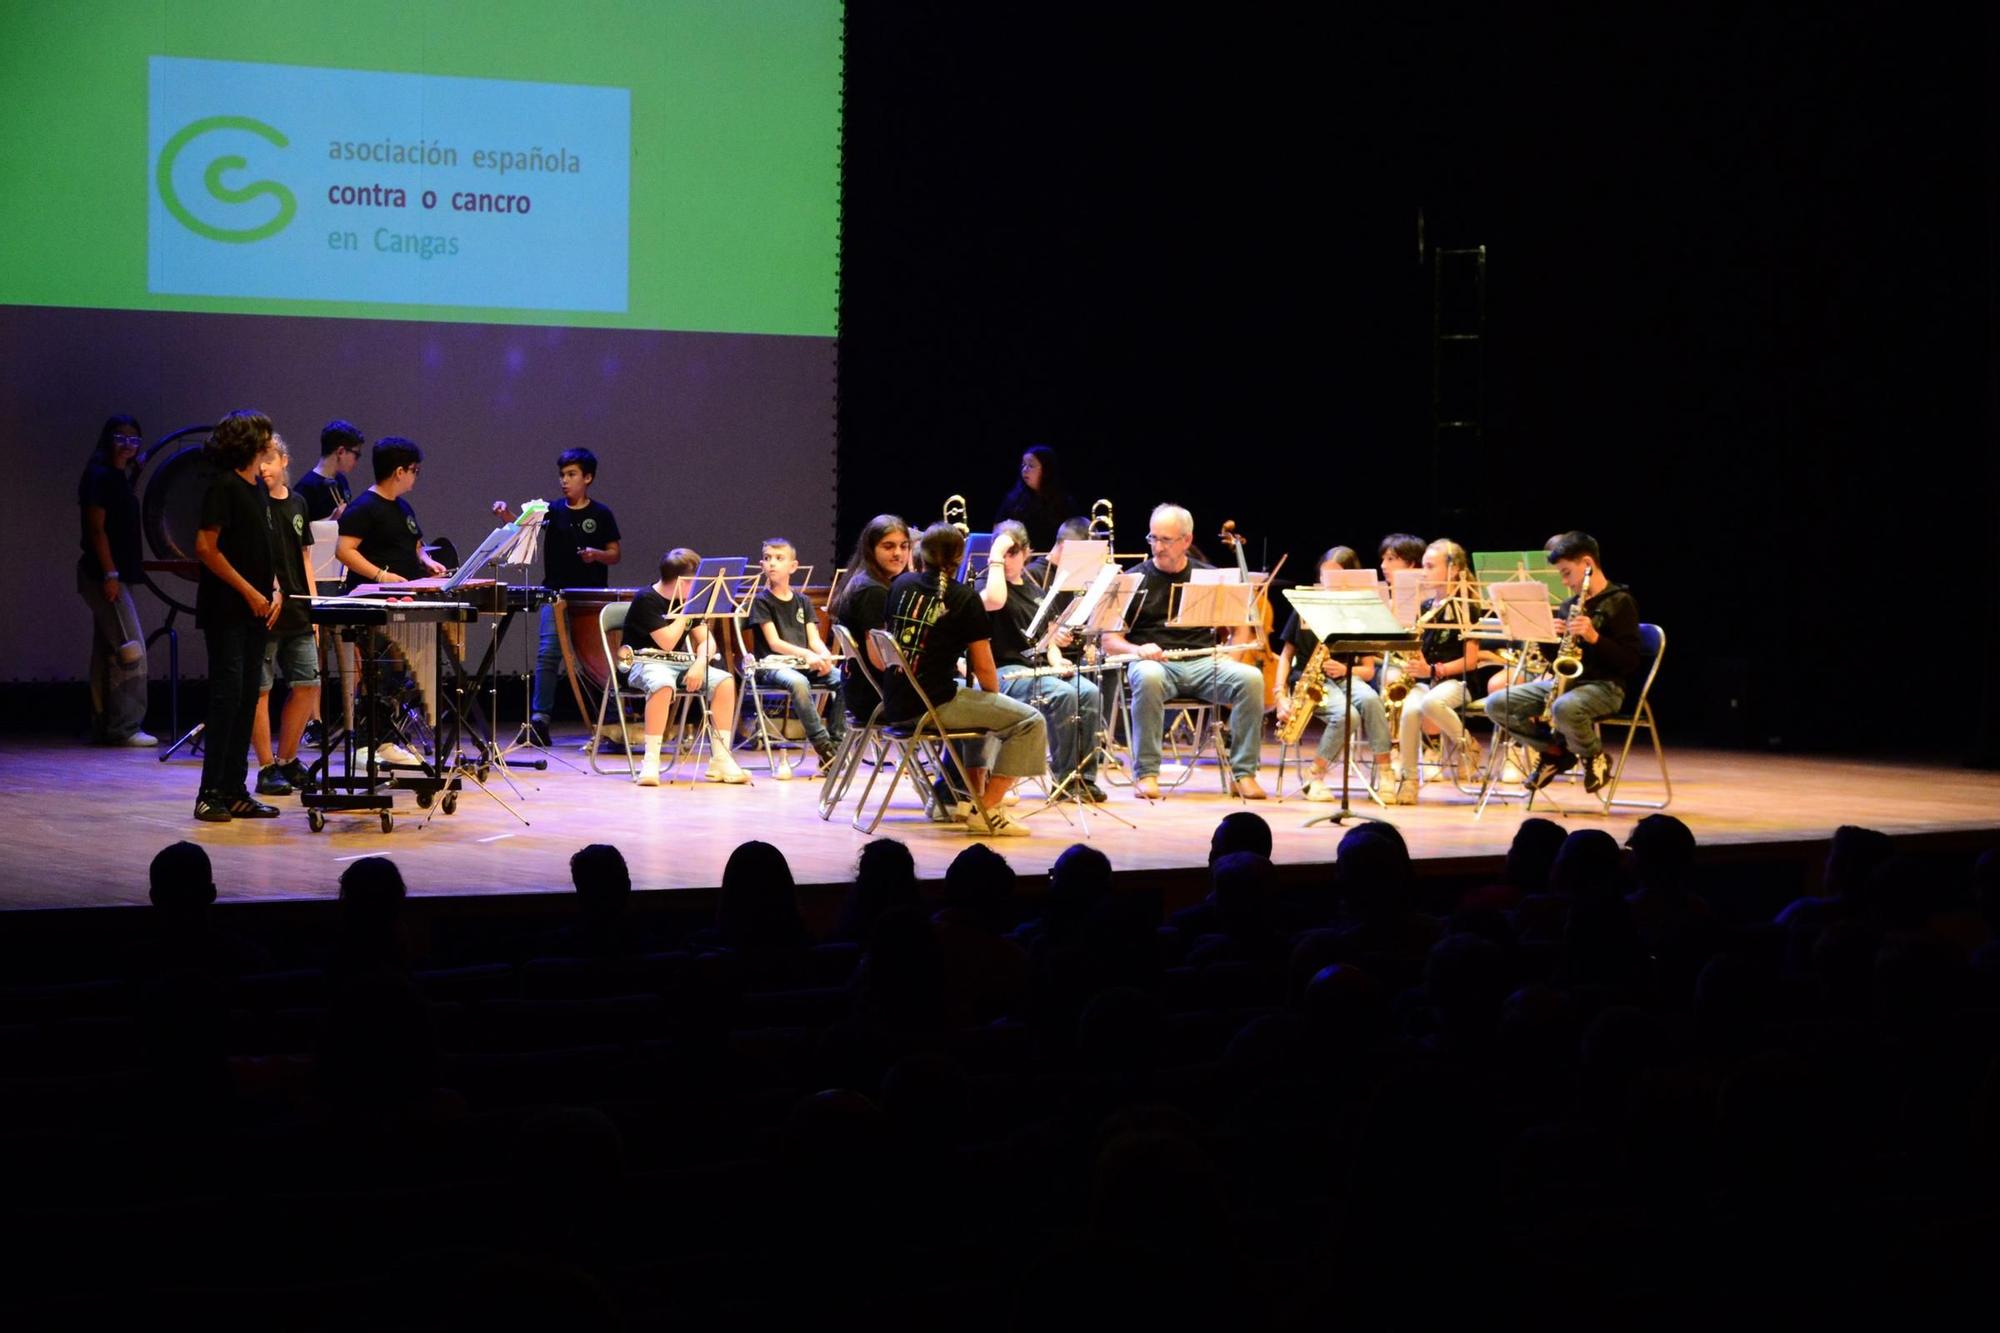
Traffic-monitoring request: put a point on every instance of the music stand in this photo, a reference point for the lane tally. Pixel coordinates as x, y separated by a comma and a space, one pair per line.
1352, 624
1526, 616
716, 596
1101, 609
1216, 599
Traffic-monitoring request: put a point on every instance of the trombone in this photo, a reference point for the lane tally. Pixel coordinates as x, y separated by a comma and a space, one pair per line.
955, 512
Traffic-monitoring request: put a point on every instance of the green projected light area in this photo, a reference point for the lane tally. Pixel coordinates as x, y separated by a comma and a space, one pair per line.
655, 164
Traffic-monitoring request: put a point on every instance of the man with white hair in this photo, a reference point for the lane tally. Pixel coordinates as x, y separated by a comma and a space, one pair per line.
1155, 678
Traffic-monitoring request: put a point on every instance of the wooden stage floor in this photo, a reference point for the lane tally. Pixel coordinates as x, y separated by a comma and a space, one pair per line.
78, 825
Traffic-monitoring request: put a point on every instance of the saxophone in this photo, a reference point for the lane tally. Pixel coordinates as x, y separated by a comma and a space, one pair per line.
1306, 697
1567, 664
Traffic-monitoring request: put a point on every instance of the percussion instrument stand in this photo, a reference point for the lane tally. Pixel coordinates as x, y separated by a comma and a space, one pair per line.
1346, 811
1070, 790
524, 735
487, 757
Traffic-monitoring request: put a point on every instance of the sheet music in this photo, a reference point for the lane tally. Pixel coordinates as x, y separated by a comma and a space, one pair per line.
1525, 611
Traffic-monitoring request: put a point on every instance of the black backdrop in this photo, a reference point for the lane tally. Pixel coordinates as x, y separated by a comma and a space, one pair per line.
1739, 299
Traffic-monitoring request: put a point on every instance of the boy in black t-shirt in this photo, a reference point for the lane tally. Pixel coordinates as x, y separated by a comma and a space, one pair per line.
935, 619
1606, 627
292, 647
236, 602
324, 488
783, 623
380, 541
580, 542
656, 621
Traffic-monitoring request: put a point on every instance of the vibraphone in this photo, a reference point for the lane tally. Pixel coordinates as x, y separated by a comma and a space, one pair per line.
412, 626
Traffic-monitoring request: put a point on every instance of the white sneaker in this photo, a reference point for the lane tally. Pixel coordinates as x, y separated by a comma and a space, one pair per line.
723, 768
395, 755
781, 768
137, 739
649, 774
1317, 790
995, 824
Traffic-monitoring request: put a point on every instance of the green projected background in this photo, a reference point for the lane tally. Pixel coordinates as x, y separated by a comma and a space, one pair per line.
733, 212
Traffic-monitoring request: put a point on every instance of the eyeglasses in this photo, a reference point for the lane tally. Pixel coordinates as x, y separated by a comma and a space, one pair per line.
1154, 539
127, 439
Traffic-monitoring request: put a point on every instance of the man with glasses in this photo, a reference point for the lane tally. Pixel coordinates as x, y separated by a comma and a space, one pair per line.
324, 488
1154, 679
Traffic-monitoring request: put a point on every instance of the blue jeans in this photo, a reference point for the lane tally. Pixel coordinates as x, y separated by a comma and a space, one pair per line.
235, 661
1516, 709
1224, 680
1367, 704
1073, 710
548, 668
799, 686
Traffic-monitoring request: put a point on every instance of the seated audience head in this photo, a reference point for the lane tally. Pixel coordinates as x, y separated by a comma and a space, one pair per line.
979, 887
1851, 858
1240, 831
1586, 866
372, 886
1532, 852
1373, 872
1078, 881
1243, 886
603, 884
885, 878
757, 906
182, 883
1662, 852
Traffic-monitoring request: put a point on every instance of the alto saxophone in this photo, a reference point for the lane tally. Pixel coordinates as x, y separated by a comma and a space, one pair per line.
1567, 664
1306, 696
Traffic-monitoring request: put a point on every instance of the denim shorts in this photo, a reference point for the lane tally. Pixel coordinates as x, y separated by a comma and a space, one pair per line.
652, 674
296, 656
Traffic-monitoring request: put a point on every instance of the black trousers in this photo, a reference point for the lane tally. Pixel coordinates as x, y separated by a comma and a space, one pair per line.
235, 663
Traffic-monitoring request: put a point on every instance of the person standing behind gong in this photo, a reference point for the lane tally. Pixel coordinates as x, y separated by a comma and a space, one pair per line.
112, 562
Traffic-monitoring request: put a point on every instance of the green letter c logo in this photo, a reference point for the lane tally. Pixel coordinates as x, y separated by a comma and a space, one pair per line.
212, 178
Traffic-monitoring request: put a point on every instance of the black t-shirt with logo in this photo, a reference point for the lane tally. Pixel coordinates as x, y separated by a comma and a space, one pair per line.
1149, 616
933, 628
791, 615
241, 513
322, 494
565, 532
390, 537
1010, 625
863, 606
105, 487
650, 611
291, 534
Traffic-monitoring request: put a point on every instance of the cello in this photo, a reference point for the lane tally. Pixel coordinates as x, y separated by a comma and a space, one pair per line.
1262, 655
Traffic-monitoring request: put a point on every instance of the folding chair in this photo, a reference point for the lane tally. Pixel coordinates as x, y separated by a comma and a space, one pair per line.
863, 741
915, 743
747, 665
611, 630
1653, 646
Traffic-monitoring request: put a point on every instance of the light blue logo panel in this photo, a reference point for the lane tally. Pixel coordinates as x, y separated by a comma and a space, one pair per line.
283, 182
